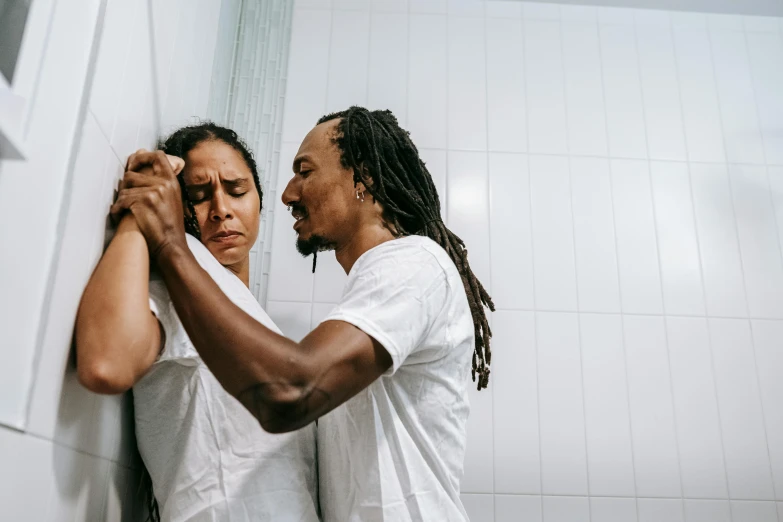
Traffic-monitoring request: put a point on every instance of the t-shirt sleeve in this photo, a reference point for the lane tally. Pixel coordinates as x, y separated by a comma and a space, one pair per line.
396, 303
177, 347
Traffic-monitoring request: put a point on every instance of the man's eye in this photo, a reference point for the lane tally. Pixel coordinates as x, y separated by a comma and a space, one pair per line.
197, 197
238, 194
304, 173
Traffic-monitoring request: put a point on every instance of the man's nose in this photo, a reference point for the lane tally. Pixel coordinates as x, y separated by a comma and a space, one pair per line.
290, 195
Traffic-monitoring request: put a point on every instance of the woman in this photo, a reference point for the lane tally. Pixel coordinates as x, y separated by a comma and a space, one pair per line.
208, 458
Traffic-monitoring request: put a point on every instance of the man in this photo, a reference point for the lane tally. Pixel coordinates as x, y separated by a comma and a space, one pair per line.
386, 372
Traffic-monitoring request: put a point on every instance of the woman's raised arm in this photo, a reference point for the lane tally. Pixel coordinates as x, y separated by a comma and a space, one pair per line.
117, 336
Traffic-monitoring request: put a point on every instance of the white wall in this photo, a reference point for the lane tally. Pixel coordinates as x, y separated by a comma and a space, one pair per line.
618, 178
115, 72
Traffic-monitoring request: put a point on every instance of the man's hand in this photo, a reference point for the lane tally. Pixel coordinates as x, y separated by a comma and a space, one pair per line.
151, 192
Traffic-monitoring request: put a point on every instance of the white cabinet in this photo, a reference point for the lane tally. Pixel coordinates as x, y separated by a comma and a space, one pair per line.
23, 35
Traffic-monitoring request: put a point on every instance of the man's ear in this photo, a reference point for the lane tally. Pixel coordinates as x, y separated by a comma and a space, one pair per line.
362, 178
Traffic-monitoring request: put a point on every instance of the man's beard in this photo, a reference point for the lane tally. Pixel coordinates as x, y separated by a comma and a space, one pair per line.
313, 245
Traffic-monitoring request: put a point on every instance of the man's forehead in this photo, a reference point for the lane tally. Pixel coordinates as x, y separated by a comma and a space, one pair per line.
318, 141
322, 134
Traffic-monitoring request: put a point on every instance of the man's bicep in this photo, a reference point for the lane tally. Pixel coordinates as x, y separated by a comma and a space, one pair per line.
347, 360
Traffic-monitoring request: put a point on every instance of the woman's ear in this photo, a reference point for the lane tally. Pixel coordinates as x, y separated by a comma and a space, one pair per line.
177, 163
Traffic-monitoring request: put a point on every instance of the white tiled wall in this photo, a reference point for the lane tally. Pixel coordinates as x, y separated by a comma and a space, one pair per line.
618, 177
148, 67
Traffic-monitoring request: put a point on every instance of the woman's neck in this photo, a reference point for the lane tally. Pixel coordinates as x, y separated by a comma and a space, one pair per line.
241, 270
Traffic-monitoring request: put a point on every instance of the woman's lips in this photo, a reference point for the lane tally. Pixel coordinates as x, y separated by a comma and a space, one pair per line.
226, 237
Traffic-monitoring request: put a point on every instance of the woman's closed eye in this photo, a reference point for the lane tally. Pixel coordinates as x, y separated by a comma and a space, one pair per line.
198, 196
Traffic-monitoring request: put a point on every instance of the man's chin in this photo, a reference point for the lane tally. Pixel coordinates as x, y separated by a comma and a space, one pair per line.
313, 244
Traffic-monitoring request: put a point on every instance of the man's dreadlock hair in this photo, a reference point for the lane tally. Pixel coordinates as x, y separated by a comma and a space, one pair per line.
374, 145
188, 138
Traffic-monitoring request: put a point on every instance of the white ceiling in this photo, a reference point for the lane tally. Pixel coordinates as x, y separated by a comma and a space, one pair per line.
747, 7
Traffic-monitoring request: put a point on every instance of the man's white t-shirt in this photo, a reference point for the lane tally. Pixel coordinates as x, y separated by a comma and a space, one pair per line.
209, 459
395, 451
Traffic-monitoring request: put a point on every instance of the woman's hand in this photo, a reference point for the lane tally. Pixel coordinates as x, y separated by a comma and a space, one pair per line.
151, 192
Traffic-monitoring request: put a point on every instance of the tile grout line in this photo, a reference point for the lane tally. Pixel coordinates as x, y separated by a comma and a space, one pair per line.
675, 65
780, 250
535, 318
576, 262
708, 33
617, 272
588, 312
489, 218
592, 156
660, 269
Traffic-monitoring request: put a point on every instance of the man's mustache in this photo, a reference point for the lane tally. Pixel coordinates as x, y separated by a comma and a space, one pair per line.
297, 209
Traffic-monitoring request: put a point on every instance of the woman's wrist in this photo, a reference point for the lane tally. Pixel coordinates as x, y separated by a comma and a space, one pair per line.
128, 224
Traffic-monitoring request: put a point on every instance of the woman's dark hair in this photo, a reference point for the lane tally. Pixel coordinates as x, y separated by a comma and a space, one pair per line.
188, 138
374, 145
148, 497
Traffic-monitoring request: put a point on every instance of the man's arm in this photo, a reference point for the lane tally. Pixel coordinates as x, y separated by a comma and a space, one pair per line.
284, 384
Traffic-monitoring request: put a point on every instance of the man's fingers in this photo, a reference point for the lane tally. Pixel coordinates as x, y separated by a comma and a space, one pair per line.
123, 204
155, 159
177, 163
138, 179
132, 159
118, 209
149, 196
140, 159
160, 163
161, 166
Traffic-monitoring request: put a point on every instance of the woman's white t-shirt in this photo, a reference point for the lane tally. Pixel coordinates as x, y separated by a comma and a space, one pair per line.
209, 459
395, 451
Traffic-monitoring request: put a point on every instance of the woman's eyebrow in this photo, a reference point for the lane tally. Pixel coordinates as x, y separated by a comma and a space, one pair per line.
237, 182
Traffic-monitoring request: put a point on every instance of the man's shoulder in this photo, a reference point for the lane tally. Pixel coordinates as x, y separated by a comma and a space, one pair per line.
409, 253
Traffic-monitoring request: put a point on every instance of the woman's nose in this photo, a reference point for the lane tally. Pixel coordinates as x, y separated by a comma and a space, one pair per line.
220, 209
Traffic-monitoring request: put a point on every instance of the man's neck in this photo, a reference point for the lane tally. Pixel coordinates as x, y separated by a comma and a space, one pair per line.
359, 243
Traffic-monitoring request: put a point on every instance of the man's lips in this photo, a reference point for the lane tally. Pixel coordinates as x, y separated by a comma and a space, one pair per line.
299, 215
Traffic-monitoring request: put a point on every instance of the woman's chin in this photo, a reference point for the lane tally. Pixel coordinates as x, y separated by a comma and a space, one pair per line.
229, 255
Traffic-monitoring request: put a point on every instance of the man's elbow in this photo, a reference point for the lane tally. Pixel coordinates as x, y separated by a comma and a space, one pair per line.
280, 410
102, 377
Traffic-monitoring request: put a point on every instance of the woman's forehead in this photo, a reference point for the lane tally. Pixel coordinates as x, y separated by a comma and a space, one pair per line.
207, 162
